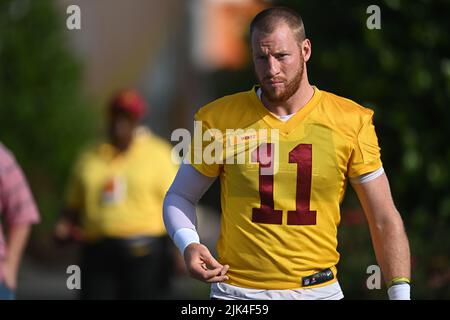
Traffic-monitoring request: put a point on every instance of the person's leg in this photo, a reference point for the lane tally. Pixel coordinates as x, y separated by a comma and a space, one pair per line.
144, 276
6, 293
98, 273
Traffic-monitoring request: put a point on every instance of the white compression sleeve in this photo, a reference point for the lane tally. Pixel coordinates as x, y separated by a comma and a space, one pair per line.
179, 214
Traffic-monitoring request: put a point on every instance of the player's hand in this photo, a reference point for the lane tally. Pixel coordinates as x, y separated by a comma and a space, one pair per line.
202, 266
62, 230
66, 231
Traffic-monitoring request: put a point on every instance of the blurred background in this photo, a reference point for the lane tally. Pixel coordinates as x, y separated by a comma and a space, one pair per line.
181, 54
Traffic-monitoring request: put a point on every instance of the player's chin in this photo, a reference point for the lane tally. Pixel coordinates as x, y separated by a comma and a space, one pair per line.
275, 95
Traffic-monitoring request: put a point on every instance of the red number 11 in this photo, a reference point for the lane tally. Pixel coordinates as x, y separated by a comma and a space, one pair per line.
302, 156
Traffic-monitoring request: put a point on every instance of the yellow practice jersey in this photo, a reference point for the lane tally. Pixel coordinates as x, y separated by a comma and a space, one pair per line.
121, 194
282, 183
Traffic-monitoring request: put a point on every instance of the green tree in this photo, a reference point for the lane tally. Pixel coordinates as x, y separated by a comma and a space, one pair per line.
43, 119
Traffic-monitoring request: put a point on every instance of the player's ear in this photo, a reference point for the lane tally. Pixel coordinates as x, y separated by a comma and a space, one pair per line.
306, 49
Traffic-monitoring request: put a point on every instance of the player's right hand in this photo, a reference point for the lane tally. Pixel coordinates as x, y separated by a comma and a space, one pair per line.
202, 266
65, 232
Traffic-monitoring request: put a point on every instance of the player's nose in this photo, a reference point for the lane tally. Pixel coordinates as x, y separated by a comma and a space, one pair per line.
273, 67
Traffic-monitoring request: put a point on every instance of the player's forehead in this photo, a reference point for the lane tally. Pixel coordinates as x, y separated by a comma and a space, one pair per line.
280, 39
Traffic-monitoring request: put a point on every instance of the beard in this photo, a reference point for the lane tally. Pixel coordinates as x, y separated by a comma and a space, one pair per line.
283, 94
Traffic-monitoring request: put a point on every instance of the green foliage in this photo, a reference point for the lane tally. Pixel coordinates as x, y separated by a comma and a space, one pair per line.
43, 119
403, 73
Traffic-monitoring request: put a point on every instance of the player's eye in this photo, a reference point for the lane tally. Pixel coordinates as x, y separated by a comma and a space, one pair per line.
281, 56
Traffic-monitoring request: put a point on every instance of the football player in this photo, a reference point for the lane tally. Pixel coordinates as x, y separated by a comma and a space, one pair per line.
280, 207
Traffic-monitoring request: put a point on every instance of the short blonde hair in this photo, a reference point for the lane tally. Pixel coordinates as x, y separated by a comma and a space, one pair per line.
267, 20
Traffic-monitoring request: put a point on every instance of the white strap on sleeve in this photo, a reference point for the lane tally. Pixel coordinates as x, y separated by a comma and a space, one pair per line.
364, 178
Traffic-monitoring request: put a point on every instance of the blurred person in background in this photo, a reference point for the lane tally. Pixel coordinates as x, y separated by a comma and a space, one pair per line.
278, 236
18, 212
113, 208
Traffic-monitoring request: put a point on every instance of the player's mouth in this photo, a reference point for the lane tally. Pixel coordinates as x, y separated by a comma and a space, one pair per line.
275, 83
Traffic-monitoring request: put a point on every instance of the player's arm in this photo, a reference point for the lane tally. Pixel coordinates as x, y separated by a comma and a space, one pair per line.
180, 220
387, 231
68, 225
19, 213
16, 242
67, 228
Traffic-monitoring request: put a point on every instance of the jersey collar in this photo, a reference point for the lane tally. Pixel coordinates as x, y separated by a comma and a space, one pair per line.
274, 122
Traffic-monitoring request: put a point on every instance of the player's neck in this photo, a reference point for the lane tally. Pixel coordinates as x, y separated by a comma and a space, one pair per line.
121, 145
297, 101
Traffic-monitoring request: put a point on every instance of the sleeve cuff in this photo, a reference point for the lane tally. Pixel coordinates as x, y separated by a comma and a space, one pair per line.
184, 237
359, 170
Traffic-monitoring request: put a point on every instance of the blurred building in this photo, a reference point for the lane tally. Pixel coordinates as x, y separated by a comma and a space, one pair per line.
165, 48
